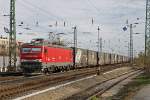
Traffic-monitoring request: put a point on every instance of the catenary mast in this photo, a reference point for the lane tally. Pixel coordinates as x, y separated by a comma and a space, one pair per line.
12, 37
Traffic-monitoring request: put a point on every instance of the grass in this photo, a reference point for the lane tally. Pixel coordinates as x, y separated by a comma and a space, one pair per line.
94, 98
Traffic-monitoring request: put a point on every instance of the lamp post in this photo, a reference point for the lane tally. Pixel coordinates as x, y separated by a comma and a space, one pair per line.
98, 41
75, 45
131, 44
101, 45
99, 48
131, 41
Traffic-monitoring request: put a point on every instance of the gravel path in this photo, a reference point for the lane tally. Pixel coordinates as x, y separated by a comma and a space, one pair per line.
143, 94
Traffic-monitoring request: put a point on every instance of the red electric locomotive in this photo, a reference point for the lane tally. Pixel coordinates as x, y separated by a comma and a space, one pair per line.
39, 56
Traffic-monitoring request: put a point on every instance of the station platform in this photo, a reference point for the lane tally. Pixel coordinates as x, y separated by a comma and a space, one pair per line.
143, 94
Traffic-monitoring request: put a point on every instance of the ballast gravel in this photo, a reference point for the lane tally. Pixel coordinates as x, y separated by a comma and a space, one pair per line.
76, 87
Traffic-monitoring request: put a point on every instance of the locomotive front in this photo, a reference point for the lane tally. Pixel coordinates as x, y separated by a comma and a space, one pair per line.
31, 57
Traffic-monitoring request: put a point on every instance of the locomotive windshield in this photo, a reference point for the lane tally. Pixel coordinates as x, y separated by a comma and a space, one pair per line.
31, 50
26, 50
36, 49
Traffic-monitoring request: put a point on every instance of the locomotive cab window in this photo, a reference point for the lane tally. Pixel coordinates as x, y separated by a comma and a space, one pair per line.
36, 49
26, 50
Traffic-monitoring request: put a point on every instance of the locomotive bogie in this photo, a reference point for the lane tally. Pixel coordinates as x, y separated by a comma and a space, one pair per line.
31, 66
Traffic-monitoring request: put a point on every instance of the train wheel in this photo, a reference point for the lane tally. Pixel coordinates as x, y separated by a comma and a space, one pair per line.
68, 68
55, 69
63, 68
45, 71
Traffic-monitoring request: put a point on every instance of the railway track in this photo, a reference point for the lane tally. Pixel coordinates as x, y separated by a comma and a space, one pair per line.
10, 79
13, 88
9, 76
17, 87
100, 88
20, 79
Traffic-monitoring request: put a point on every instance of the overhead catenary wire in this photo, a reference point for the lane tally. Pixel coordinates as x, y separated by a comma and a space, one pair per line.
41, 11
32, 7
48, 13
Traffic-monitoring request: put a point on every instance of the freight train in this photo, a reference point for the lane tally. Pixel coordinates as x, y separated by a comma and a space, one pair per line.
40, 56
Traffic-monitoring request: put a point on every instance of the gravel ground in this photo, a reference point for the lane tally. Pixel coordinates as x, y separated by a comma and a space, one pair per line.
68, 90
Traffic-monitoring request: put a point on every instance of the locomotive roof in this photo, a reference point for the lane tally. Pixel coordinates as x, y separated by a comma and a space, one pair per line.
43, 44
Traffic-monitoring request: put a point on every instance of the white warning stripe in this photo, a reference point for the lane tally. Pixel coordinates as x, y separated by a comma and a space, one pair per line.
111, 71
58, 86
52, 88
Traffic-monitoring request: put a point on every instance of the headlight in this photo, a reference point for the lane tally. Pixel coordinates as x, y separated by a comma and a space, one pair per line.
39, 60
36, 60
23, 60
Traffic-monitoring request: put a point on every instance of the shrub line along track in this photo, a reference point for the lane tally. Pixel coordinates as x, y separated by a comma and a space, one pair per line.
15, 87
102, 87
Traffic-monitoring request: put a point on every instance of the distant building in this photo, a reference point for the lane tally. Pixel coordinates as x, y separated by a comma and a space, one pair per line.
4, 45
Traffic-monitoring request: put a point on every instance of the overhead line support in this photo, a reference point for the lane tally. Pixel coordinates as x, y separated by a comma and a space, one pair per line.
12, 37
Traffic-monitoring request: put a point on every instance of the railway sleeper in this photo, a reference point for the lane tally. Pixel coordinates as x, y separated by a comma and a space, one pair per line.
34, 85
8, 88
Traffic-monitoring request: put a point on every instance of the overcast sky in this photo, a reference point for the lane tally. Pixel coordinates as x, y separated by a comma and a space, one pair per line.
110, 15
